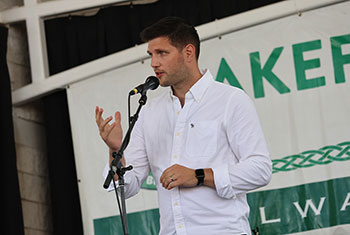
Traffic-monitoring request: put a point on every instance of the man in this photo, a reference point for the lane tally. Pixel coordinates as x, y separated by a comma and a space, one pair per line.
202, 140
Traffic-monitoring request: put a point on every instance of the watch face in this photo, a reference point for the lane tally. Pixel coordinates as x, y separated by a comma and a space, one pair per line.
200, 176
200, 173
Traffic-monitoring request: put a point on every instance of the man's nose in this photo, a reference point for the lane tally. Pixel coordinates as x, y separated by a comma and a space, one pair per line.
154, 62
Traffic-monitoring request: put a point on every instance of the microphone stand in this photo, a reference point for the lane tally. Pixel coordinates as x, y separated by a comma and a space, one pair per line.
116, 167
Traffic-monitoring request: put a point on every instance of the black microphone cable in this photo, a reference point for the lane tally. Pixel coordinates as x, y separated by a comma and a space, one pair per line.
114, 184
119, 207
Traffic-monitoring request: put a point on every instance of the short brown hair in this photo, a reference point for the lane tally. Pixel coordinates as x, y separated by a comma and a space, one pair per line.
179, 32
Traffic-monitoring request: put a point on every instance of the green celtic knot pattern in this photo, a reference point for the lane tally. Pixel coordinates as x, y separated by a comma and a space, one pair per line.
323, 156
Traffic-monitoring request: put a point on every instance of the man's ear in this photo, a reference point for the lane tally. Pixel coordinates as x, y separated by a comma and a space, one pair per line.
189, 52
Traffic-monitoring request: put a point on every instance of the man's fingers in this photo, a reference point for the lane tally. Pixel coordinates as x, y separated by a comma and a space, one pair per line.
117, 116
168, 178
101, 123
104, 123
173, 184
98, 114
165, 176
166, 182
178, 176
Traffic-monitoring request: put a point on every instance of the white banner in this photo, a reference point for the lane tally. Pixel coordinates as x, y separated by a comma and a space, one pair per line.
297, 71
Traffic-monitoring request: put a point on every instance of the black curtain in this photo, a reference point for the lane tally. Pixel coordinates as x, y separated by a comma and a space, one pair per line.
11, 207
75, 40
66, 214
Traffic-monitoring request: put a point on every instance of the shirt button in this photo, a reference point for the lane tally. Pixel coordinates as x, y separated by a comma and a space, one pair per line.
179, 226
178, 112
178, 133
175, 156
176, 204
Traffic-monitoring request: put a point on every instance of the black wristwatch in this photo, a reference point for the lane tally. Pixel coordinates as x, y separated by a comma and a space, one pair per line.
200, 176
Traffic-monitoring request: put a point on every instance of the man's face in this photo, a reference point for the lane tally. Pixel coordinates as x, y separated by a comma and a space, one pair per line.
167, 62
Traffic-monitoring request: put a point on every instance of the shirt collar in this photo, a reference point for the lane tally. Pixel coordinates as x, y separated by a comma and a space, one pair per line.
199, 88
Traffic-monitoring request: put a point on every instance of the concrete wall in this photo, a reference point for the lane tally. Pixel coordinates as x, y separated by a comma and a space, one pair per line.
29, 132
33, 168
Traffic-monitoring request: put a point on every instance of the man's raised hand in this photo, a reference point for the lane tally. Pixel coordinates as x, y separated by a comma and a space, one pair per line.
111, 133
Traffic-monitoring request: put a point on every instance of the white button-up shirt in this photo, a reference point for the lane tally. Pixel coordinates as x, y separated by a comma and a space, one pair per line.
217, 128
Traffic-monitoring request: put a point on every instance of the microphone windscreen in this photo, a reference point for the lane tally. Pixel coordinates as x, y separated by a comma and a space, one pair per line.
152, 82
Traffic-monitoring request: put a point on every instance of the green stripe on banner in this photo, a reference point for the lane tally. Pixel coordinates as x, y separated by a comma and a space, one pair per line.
280, 211
301, 208
139, 223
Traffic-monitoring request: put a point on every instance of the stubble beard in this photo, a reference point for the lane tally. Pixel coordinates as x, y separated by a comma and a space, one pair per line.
178, 76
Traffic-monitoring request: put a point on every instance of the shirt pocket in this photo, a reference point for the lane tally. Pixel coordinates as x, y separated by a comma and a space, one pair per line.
202, 138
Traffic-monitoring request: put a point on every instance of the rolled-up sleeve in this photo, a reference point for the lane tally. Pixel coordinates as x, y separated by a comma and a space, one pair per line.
252, 167
222, 181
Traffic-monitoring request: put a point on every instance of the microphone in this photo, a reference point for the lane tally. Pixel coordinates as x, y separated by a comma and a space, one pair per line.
151, 83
